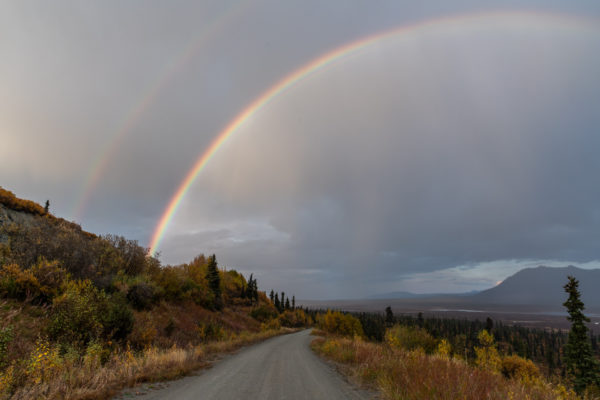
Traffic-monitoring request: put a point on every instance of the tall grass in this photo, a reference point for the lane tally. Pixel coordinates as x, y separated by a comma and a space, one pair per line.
413, 375
48, 375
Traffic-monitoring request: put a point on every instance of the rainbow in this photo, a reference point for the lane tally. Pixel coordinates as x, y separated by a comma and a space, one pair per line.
309, 70
133, 117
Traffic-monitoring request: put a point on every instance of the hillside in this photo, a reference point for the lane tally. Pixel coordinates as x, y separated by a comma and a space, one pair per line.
542, 286
77, 306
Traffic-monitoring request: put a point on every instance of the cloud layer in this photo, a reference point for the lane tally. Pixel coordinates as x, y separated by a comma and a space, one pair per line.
471, 142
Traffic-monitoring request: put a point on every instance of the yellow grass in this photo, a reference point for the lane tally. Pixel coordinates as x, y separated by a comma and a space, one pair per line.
413, 375
50, 376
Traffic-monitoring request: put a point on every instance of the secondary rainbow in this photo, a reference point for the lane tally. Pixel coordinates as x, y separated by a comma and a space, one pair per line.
134, 116
306, 71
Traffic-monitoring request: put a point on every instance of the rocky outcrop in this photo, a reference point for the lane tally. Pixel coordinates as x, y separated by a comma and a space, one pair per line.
9, 216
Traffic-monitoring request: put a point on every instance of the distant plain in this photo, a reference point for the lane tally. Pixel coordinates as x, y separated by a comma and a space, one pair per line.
461, 307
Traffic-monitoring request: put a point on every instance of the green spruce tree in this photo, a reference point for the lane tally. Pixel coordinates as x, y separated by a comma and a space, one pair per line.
389, 317
244, 293
255, 291
214, 282
250, 289
582, 367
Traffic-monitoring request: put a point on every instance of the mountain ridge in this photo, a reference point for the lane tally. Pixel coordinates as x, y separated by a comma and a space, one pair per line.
543, 285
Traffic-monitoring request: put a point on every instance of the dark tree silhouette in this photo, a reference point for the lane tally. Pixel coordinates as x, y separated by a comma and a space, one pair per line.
389, 317
582, 367
214, 281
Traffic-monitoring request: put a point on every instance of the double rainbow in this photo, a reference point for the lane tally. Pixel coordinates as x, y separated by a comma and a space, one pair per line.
102, 160
318, 64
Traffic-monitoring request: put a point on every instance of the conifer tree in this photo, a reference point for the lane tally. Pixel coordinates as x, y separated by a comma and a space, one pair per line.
47, 207
287, 303
420, 319
293, 302
255, 290
250, 289
214, 281
282, 303
272, 296
389, 317
582, 367
276, 302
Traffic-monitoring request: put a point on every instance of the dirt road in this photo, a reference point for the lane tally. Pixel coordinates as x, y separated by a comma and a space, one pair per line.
283, 367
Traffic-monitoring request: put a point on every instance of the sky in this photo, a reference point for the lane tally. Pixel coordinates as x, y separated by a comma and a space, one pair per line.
441, 157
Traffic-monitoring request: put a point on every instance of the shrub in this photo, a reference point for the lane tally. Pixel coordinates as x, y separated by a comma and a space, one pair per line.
272, 325
6, 336
13, 202
44, 363
444, 348
127, 255
487, 355
51, 278
18, 283
144, 332
413, 375
170, 327
6, 382
52, 240
294, 319
410, 338
95, 355
171, 280
263, 313
142, 296
77, 313
209, 331
118, 321
341, 324
520, 368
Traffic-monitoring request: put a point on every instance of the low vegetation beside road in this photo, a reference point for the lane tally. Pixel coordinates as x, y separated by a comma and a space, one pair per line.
409, 363
85, 315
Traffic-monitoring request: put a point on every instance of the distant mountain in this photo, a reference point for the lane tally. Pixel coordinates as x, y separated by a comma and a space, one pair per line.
543, 286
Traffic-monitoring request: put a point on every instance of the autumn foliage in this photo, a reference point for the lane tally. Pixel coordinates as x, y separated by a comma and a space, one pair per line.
11, 201
84, 314
399, 373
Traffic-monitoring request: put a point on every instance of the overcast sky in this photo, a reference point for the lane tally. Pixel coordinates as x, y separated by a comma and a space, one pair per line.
441, 159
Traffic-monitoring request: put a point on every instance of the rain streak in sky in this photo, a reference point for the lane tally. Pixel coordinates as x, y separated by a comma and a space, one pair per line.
341, 149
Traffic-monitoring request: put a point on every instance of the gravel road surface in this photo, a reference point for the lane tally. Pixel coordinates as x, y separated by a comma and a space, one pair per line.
280, 368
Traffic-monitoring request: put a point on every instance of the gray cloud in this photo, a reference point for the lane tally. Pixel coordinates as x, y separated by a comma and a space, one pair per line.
462, 144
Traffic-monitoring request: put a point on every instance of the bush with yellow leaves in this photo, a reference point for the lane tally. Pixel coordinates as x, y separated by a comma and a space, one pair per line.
410, 338
444, 349
487, 356
44, 363
519, 368
341, 324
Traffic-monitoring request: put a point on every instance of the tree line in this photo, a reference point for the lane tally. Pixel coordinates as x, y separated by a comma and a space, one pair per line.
571, 356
